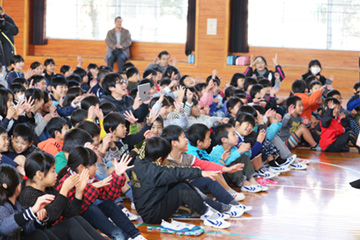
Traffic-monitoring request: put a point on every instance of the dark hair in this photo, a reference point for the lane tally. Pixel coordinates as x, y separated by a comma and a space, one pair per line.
170, 70
172, 133
160, 120
309, 79
2, 130
90, 128
112, 120
163, 53
336, 102
314, 83
144, 81
38, 161
17, 87
102, 73
76, 137
229, 92
298, 86
92, 66
255, 89
216, 80
4, 97
49, 61
292, 101
235, 78
89, 101
36, 79
314, 62
74, 77
72, 83
165, 102
77, 116
81, 72
110, 81
248, 82
222, 131
16, 58
34, 93
107, 107
127, 65
245, 117
259, 108
333, 92
34, 65
58, 80
200, 86
231, 103
148, 72
46, 96
248, 109
10, 177
118, 17
197, 132
20, 80
78, 155
64, 68
165, 82
156, 147
131, 71
55, 124
265, 83
25, 131
261, 58
356, 86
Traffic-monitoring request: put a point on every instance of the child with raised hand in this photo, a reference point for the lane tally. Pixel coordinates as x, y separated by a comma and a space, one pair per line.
333, 137
15, 221
293, 127
199, 141
227, 138
261, 70
109, 189
159, 190
9, 113
179, 158
62, 214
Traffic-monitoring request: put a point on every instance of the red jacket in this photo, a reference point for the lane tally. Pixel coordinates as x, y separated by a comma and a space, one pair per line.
331, 129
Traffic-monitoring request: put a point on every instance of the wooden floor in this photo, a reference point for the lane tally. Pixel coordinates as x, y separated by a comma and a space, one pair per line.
317, 203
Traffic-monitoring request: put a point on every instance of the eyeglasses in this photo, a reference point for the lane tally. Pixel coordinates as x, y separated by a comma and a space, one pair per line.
121, 81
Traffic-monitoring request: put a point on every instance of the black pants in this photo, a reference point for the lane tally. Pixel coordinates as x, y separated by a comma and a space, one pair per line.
179, 195
238, 177
341, 142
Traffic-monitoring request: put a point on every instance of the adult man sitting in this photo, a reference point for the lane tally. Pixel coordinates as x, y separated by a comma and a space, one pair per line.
118, 41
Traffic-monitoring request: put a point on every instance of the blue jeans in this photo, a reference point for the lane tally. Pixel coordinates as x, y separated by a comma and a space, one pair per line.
120, 228
116, 55
214, 187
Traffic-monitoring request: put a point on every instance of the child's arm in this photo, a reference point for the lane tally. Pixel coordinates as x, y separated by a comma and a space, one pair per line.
327, 115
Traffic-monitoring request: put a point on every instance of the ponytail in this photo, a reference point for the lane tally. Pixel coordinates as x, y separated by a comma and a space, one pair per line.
9, 181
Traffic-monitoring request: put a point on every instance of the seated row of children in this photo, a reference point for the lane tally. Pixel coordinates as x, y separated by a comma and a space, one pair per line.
105, 142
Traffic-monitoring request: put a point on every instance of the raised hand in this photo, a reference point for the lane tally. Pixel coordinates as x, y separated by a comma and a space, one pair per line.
180, 92
154, 113
80, 60
331, 104
277, 76
41, 202
270, 113
28, 104
174, 62
91, 113
275, 60
291, 109
148, 134
137, 102
252, 62
11, 112
123, 165
210, 174
129, 116
261, 136
83, 181
102, 183
69, 183
210, 86
214, 73
342, 115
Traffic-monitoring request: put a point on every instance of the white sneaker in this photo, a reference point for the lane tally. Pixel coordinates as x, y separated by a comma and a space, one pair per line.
236, 195
252, 188
138, 237
178, 226
289, 161
263, 188
296, 165
219, 223
130, 215
279, 169
245, 208
235, 211
267, 174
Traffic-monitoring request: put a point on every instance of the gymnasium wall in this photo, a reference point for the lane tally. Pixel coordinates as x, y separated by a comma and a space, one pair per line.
210, 50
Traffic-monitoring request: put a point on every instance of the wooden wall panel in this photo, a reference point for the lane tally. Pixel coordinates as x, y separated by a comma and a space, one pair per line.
211, 50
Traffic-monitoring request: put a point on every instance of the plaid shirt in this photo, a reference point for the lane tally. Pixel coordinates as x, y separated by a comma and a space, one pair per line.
91, 193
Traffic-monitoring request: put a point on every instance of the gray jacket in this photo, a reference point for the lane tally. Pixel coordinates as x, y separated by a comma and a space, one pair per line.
125, 41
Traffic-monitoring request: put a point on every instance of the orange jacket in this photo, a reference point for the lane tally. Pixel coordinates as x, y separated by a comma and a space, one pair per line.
309, 102
51, 146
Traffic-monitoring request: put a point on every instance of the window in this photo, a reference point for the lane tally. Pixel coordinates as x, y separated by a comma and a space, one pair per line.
314, 24
147, 20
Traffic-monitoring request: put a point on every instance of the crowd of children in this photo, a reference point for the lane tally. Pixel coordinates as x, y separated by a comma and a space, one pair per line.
74, 144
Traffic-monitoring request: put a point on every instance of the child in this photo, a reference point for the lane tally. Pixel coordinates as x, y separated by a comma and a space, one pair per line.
108, 190
310, 103
49, 71
248, 84
37, 68
66, 70
333, 137
4, 147
157, 127
19, 92
293, 127
15, 221
353, 104
199, 140
314, 69
238, 80
38, 81
233, 105
17, 64
58, 90
62, 219
9, 113
160, 190
179, 158
226, 136
57, 128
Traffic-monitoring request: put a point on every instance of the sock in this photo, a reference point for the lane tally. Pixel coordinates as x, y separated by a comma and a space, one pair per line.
261, 170
280, 160
233, 202
225, 207
273, 163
